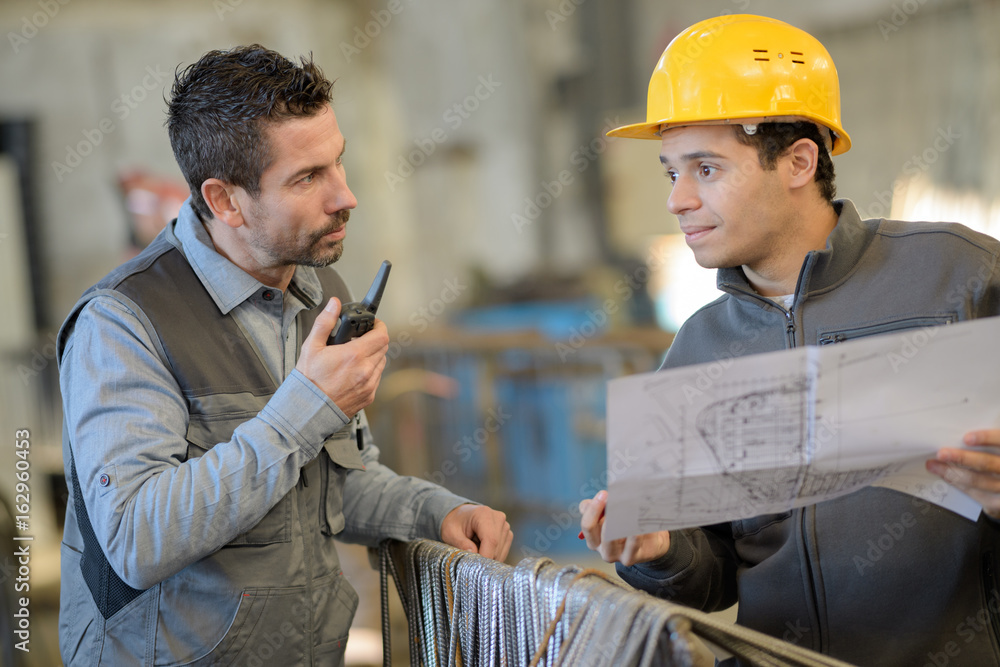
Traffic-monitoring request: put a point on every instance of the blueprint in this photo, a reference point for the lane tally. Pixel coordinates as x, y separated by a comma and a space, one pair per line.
762, 434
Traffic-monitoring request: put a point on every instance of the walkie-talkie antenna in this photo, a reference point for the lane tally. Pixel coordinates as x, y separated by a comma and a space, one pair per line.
374, 296
358, 318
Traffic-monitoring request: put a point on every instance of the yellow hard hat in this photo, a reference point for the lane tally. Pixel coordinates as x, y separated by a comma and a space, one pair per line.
742, 69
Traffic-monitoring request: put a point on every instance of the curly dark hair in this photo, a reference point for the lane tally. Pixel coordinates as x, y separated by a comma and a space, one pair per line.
219, 107
772, 140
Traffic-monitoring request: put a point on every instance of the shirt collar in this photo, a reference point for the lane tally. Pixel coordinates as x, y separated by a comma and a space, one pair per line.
226, 283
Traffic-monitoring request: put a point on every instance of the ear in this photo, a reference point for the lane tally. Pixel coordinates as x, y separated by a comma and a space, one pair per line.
803, 158
221, 198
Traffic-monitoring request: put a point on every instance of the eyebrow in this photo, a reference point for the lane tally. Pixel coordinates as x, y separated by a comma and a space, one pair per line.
698, 155
317, 167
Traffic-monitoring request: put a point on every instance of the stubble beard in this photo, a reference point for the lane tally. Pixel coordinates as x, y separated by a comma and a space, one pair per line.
315, 253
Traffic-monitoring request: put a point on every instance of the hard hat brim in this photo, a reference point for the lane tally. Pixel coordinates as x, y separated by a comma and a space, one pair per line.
637, 131
841, 140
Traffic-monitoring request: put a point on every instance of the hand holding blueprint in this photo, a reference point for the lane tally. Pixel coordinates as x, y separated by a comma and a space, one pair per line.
761, 434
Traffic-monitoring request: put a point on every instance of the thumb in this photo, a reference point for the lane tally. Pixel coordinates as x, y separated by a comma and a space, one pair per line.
465, 544
324, 324
456, 535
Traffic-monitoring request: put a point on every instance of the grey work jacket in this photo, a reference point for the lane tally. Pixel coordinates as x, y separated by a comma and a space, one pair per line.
876, 577
253, 576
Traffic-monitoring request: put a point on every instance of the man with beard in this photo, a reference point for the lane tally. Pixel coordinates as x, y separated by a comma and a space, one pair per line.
214, 444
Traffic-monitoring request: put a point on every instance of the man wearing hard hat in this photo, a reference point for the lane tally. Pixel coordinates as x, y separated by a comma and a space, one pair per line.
747, 110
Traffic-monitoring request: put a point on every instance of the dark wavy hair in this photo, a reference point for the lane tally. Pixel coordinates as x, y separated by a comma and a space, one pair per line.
219, 107
772, 140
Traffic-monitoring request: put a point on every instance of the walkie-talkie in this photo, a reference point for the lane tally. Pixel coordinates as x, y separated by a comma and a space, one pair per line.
358, 318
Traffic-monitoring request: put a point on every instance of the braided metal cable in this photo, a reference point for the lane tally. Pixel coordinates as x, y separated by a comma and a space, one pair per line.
466, 610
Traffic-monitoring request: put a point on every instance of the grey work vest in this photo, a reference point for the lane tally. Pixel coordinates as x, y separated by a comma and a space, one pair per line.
224, 383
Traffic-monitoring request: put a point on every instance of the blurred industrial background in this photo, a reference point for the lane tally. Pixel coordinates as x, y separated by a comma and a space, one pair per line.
534, 259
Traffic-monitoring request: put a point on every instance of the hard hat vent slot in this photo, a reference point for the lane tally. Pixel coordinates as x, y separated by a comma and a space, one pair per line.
801, 57
761, 54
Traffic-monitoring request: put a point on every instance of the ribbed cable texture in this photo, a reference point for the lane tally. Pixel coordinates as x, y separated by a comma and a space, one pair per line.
464, 610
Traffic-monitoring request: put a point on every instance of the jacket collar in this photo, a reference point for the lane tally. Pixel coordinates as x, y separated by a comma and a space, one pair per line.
822, 269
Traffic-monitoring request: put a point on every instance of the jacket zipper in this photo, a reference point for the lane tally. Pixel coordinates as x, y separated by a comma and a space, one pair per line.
789, 317
790, 328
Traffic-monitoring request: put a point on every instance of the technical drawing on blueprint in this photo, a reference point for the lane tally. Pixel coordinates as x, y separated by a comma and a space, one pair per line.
765, 433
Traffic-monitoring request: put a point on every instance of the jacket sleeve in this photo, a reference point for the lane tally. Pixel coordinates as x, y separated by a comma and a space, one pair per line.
699, 569
380, 504
153, 509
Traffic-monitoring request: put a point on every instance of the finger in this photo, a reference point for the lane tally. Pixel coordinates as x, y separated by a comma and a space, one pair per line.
458, 535
324, 324
489, 543
966, 479
502, 536
507, 542
979, 461
465, 544
591, 514
592, 519
374, 342
611, 551
982, 487
630, 551
990, 436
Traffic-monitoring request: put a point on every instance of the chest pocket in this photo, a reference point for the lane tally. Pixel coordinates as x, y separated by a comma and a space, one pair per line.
828, 336
202, 434
341, 449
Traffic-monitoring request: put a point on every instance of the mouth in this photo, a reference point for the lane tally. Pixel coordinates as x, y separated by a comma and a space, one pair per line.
337, 234
694, 234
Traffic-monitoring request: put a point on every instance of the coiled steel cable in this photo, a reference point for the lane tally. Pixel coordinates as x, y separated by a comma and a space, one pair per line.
466, 610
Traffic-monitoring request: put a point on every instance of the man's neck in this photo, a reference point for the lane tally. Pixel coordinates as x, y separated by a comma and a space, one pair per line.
278, 277
781, 277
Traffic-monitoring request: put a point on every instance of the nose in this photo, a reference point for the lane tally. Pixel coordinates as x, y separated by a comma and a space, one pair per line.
340, 196
683, 196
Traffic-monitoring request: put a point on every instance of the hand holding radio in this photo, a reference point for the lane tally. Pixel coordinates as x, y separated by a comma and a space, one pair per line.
348, 378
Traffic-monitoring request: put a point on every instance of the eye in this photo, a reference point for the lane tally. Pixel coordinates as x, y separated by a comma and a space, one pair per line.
308, 178
671, 175
706, 171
